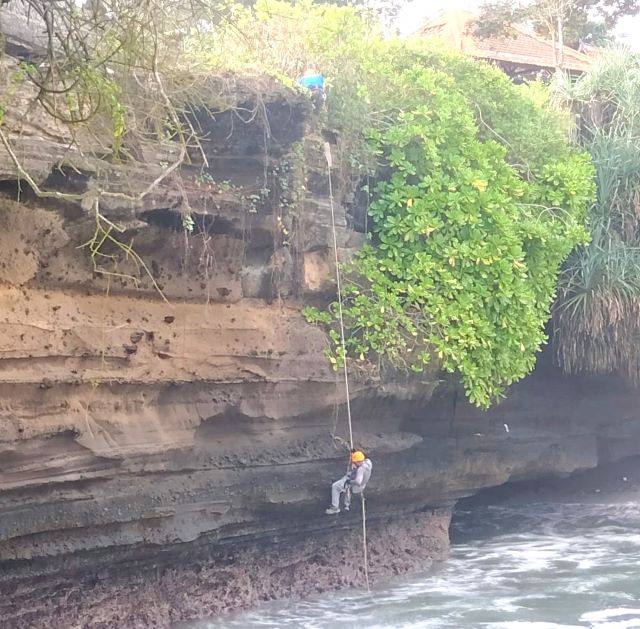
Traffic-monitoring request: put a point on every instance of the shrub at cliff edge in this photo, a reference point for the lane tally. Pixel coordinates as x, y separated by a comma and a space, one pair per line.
479, 200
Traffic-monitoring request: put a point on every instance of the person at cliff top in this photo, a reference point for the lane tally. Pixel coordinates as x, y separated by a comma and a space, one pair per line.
312, 80
355, 481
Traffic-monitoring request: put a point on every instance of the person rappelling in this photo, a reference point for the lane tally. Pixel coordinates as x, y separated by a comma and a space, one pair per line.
314, 81
353, 482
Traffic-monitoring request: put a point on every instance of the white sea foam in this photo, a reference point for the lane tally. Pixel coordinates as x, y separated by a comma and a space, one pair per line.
519, 624
607, 614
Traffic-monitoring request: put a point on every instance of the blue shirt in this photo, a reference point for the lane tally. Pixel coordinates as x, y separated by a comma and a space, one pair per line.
313, 82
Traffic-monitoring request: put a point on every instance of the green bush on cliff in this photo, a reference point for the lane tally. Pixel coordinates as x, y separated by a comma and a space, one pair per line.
479, 200
465, 250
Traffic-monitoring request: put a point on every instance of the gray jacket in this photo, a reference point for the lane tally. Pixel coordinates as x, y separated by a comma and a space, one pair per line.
360, 476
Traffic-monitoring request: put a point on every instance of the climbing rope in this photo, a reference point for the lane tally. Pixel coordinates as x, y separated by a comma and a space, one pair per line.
364, 543
327, 154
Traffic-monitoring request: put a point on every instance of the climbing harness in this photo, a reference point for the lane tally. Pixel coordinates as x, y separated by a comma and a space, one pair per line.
327, 154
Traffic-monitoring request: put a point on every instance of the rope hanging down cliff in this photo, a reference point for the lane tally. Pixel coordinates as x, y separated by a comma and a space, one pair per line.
327, 154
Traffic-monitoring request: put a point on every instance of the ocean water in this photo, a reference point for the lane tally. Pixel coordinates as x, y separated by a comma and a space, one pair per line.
539, 566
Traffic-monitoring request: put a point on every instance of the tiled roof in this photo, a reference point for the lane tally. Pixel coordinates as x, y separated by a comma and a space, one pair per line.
517, 45
593, 52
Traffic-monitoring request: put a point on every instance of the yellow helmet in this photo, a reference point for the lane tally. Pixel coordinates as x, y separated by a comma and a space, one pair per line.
357, 456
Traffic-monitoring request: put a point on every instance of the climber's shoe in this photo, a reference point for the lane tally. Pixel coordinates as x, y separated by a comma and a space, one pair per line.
332, 510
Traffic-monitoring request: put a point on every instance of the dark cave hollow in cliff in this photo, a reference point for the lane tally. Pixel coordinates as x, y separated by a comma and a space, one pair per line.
604, 484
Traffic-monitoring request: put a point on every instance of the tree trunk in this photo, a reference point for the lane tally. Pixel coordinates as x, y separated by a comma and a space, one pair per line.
559, 43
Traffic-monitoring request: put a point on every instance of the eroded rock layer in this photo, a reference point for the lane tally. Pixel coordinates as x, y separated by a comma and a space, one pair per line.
207, 577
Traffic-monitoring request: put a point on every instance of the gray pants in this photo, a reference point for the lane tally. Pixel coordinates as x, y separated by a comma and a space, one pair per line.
338, 488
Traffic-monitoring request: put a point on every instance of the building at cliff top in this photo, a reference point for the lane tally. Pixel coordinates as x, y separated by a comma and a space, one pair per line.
519, 52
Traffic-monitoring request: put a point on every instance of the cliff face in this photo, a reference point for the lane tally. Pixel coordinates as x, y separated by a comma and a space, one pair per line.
167, 404
166, 413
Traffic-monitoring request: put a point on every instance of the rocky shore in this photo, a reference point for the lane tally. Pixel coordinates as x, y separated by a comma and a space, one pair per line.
205, 578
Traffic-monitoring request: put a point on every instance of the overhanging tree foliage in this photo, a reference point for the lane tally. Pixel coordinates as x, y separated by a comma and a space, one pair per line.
115, 72
467, 239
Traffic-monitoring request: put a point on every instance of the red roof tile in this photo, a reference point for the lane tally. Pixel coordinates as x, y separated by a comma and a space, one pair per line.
517, 45
593, 52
